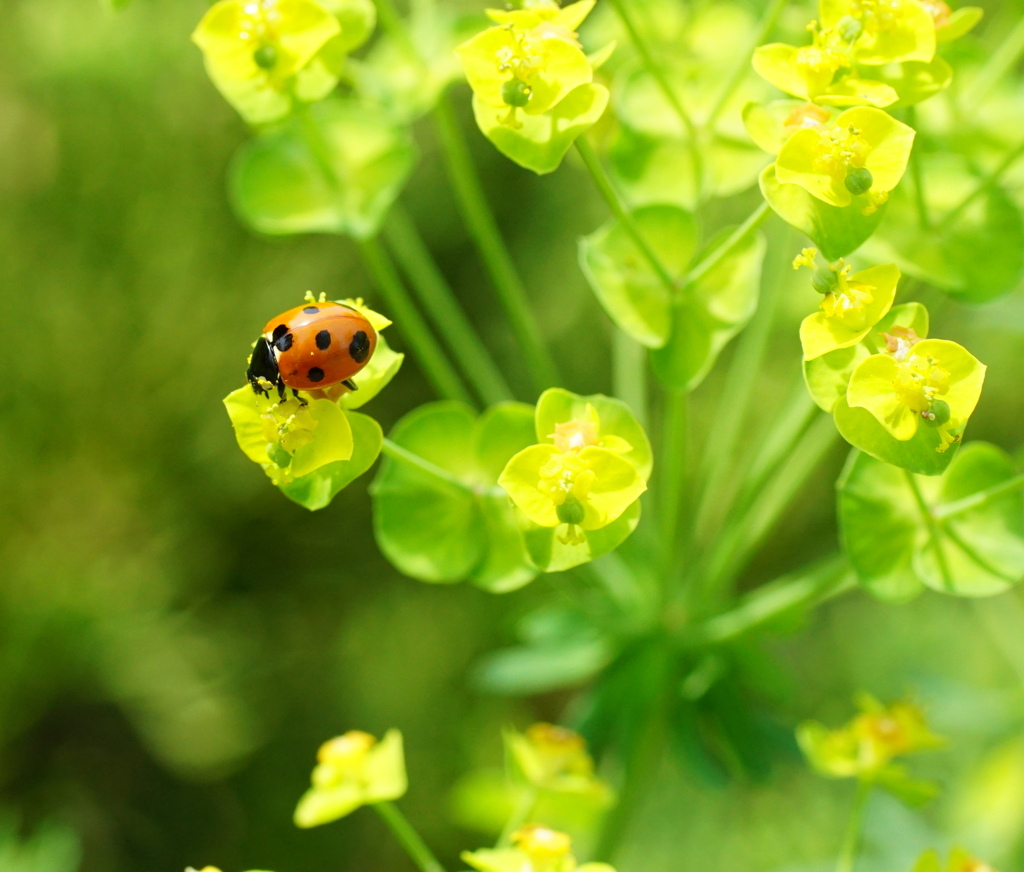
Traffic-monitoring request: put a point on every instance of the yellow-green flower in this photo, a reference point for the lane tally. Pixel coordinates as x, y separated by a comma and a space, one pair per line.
537, 849
863, 153
255, 50
918, 382
555, 758
580, 480
353, 770
530, 61
867, 745
959, 861
882, 31
850, 305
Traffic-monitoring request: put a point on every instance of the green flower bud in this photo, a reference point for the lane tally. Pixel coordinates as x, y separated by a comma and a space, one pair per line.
516, 92
859, 180
937, 413
849, 28
570, 512
265, 57
281, 457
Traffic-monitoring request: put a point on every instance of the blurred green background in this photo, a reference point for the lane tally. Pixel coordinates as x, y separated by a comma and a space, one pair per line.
176, 638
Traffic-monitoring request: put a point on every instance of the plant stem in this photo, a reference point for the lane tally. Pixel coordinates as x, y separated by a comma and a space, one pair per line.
851, 841
978, 500
917, 173
674, 442
624, 216
934, 532
983, 186
408, 838
444, 309
484, 231
998, 64
430, 356
754, 220
767, 603
657, 71
768, 22
629, 373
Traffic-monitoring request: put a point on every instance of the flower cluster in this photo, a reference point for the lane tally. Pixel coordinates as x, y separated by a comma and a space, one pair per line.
353, 770
536, 849
533, 89
555, 759
959, 861
866, 747
264, 55
581, 478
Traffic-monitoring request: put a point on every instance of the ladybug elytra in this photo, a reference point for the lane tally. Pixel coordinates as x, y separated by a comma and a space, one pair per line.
311, 347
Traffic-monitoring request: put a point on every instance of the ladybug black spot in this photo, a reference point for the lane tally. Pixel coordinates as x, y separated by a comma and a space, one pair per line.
279, 331
359, 347
323, 340
311, 310
283, 343
315, 374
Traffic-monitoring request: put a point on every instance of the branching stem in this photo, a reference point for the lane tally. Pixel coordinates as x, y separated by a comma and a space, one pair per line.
408, 838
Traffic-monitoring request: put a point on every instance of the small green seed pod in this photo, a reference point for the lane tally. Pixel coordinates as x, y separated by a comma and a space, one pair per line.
570, 512
280, 457
823, 280
859, 180
265, 57
516, 92
937, 413
849, 28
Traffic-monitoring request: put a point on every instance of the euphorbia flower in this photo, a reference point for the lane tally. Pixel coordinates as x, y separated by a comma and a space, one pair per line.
537, 849
255, 49
555, 758
579, 480
863, 153
530, 62
353, 770
850, 305
959, 861
882, 31
918, 382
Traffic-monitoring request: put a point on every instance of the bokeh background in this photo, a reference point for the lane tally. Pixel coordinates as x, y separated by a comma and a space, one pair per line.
176, 638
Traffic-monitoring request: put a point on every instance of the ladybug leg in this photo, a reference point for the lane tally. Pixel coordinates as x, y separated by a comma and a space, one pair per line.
300, 399
351, 385
280, 391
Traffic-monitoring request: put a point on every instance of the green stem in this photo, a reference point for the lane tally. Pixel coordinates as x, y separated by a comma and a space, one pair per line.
934, 532
408, 838
767, 25
754, 220
657, 71
789, 594
444, 309
624, 216
674, 442
917, 173
521, 815
986, 183
629, 373
978, 500
1001, 61
429, 355
484, 231
851, 841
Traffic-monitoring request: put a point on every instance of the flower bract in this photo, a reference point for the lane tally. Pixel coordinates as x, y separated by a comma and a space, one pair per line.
353, 770
556, 759
537, 849
882, 31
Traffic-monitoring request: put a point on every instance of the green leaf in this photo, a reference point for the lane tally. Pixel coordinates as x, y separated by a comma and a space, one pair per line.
527, 670
337, 170
116, 5
915, 81
827, 377
540, 141
835, 231
551, 554
891, 546
556, 406
442, 531
357, 18
710, 312
375, 376
918, 454
962, 21
316, 490
625, 284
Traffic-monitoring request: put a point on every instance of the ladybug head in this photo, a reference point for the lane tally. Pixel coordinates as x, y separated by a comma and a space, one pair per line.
263, 369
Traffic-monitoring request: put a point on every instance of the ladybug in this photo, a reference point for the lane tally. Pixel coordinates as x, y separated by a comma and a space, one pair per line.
311, 347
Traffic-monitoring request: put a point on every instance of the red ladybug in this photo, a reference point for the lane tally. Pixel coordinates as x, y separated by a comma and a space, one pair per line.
311, 347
